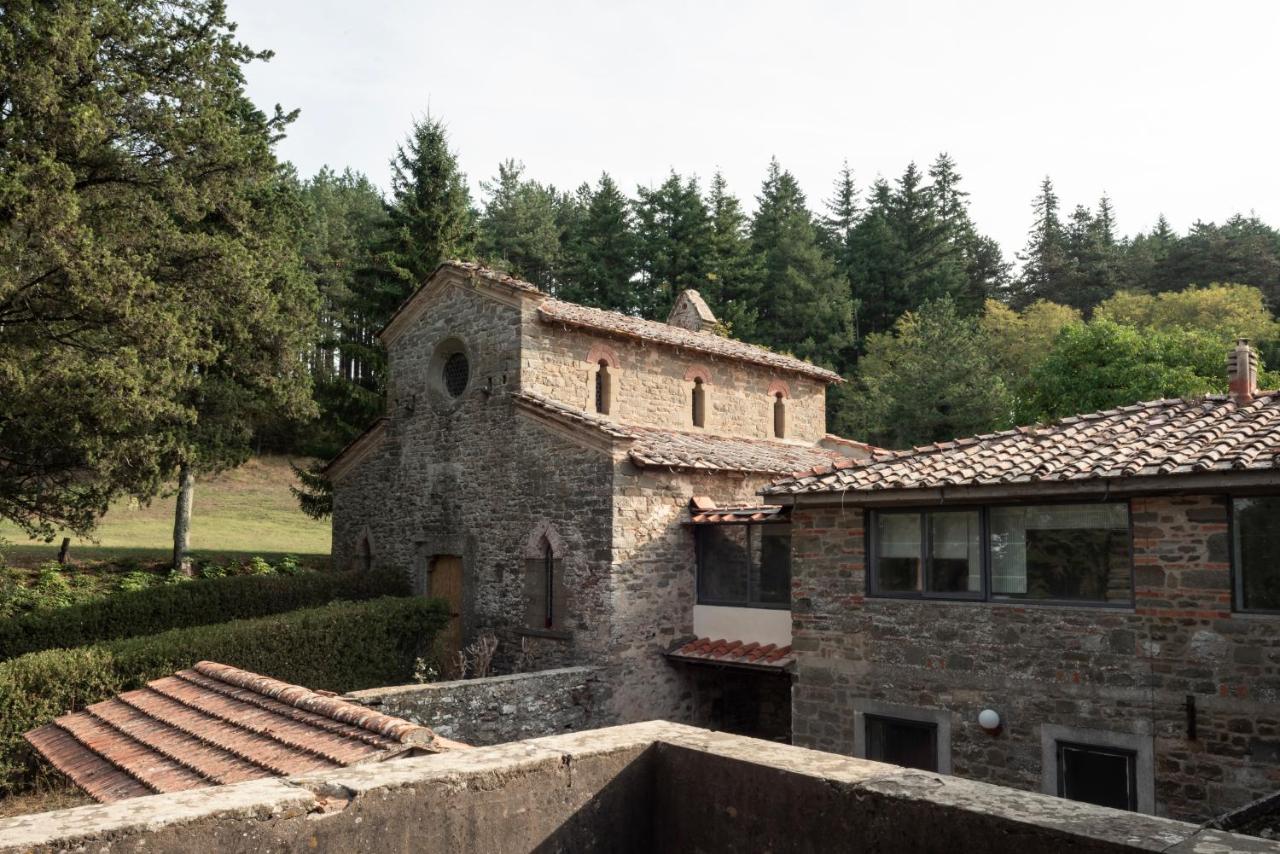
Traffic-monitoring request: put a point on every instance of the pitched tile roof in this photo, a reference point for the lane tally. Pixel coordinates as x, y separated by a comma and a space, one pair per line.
653, 447
1160, 437
736, 513
735, 652
571, 314
216, 724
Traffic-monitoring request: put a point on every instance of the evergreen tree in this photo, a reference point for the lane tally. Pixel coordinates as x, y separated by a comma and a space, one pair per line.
733, 271
1144, 255
152, 308
1242, 249
673, 243
986, 273
1044, 260
803, 306
875, 255
520, 228
430, 212
599, 264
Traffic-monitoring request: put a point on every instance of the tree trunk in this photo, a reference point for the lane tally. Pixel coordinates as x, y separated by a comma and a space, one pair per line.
182, 520
64, 553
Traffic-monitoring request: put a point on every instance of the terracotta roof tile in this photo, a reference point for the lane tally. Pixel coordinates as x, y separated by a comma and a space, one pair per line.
1160, 437
736, 652
721, 515
216, 724
652, 447
572, 314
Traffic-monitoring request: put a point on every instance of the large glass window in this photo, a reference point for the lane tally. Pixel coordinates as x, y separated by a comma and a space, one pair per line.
1256, 526
744, 565
1074, 552
1053, 552
934, 553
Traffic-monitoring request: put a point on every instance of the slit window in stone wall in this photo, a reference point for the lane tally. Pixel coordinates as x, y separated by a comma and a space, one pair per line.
1255, 528
603, 388
1051, 553
545, 591
779, 417
742, 565
699, 404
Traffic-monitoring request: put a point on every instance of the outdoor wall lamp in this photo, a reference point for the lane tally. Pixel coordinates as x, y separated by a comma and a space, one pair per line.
989, 720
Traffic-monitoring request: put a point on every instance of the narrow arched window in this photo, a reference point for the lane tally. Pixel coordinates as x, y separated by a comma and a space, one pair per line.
779, 417
603, 390
366, 554
699, 404
549, 583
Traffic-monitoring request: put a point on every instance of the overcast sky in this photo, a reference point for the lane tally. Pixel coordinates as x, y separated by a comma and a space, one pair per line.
1168, 106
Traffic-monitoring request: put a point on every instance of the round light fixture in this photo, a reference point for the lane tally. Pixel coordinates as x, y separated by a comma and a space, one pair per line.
989, 720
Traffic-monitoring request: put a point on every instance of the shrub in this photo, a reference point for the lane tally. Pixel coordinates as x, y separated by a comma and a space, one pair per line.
170, 606
340, 647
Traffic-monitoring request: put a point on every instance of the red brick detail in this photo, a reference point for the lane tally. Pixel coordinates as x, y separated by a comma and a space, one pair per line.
779, 387
602, 353
698, 372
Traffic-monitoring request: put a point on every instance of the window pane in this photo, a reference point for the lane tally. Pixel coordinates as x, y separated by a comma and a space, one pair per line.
897, 552
1097, 775
908, 743
773, 581
1067, 551
723, 563
1257, 551
954, 562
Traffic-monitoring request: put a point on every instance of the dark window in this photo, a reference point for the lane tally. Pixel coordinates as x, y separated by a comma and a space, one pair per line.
549, 584
457, 372
744, 565
1256, 526
602, 388
912, 744
779, 417
699, 404
544, 588
931, 553
1097, 775
1065, 552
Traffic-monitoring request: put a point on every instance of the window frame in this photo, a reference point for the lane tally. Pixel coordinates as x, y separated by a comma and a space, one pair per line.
698, 547
984, 594
1234, 556
1130, 756
931, 727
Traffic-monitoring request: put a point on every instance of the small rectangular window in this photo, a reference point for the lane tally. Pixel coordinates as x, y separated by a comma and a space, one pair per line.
1098, 775
911, 744
1256, 552
1067, 552
744, 565
935, 553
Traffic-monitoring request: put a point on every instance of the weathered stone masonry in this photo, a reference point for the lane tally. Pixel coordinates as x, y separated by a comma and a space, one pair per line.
1126, 670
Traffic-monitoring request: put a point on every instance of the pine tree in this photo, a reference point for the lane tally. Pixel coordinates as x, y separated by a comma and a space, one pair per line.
599, 255
985, 270
1044, 260
431, 217
733, 271
673, 243
519, 229
803, 306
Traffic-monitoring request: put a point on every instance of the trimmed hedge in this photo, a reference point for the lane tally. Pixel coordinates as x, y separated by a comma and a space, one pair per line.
192, 603
339, 647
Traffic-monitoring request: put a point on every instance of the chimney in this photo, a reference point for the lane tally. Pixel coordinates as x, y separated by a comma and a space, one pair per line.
1242, 372
692, 312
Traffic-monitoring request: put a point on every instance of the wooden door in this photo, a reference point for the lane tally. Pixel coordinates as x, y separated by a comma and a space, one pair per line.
446, 583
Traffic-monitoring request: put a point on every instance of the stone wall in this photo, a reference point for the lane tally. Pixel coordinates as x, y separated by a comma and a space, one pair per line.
1127, 670
652, 384
496, 709
647, 787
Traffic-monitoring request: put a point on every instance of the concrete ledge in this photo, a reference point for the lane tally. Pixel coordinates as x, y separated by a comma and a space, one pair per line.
634, 788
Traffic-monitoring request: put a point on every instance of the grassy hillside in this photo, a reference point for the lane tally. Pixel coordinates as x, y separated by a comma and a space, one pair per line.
248, 511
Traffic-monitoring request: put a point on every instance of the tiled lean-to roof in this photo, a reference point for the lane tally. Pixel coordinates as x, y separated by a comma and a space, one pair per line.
571, 314
656, 448
1213, 434
748, 654
215, 724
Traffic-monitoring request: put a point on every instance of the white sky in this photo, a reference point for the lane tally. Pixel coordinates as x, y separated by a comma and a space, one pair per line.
1168, 106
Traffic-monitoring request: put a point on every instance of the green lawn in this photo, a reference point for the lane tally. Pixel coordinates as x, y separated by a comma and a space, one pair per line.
238, 514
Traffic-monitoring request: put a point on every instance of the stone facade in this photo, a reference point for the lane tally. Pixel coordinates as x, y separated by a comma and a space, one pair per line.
1127, 671
495, 709
479, 477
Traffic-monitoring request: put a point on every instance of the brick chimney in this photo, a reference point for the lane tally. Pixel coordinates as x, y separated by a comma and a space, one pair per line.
1242, 372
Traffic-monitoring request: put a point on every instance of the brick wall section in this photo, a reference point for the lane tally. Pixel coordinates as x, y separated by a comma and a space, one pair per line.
650, 384
496, 709
1122, 670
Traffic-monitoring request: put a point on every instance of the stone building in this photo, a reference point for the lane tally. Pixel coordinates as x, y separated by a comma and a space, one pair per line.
1090, 609
537, 465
